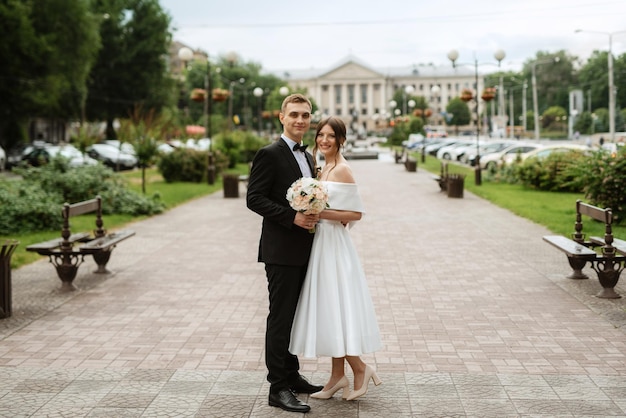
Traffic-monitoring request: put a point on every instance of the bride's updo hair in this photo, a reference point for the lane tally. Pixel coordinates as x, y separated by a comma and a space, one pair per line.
338, 127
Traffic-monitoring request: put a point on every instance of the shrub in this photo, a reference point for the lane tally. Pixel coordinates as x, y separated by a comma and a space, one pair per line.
183, 164
506, 173
32, 204
25, 207
602, 177
239, 146
551, 173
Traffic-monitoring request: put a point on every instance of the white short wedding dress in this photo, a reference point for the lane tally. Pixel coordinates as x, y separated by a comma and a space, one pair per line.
335, 316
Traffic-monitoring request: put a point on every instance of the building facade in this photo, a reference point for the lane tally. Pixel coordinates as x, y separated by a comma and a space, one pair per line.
363, 95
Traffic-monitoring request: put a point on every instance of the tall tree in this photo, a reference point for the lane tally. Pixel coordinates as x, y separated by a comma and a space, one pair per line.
131, 70
47, 49
593, 79
555, 75
460, 113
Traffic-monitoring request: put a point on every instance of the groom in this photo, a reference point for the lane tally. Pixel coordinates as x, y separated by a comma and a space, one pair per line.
285, 246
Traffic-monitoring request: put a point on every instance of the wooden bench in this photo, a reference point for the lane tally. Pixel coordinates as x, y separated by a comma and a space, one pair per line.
606, 255
68, 252
442, 178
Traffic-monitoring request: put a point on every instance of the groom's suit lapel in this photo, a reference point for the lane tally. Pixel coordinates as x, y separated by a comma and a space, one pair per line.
293, 163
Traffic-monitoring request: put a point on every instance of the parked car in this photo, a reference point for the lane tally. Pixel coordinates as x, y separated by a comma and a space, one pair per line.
485, 148
122, 146
41, 155
547, 150
165, 148
433, 147
202, 144
496, 159
454, 151
112, 156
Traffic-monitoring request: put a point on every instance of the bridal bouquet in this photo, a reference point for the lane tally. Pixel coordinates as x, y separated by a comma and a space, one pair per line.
308, 195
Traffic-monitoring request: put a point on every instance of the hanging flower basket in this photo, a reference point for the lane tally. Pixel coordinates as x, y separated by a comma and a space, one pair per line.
488, 94
428, 113
220, 95
418, 113
275, 113
467, 95
266, 114
198, 95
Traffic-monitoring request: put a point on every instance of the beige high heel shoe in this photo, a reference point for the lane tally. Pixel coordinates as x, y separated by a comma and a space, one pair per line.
343, 383
369, 374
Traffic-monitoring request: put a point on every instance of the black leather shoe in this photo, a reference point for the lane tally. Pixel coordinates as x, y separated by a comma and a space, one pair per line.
285, 399
301, 385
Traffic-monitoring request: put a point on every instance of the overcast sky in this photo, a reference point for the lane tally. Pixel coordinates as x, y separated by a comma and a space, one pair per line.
293, 35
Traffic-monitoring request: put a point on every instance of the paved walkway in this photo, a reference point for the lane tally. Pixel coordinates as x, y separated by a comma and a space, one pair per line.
476, 316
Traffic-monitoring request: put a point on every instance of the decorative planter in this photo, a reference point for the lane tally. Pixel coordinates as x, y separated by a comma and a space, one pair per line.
467, 95
488, 94
219, 95
198, 95
231, 185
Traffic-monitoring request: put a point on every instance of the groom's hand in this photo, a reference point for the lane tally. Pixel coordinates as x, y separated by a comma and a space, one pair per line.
306, 221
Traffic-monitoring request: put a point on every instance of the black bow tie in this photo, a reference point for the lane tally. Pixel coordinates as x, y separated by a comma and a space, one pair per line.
299, 147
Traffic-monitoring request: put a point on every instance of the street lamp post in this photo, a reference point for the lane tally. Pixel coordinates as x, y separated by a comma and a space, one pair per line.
208, 104
434, 93
611, 82
499, 56
524, 88
411, 103
392, 106
230, 101
258, 93
186, 54
408, 91
534, 87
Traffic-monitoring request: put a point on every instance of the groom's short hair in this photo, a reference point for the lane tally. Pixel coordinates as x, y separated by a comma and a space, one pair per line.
295, 98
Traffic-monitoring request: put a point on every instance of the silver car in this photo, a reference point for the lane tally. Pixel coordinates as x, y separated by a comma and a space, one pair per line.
112, 156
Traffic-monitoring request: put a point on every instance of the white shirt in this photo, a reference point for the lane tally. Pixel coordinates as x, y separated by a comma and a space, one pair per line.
300, 157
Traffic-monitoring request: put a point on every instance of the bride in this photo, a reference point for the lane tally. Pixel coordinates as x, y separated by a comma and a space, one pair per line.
335, 315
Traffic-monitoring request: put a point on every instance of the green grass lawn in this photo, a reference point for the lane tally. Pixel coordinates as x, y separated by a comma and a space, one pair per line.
555, 211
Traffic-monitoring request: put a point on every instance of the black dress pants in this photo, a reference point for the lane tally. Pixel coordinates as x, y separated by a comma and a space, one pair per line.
284, 284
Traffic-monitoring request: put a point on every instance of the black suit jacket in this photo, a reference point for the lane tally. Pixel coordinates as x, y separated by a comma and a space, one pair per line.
274, 169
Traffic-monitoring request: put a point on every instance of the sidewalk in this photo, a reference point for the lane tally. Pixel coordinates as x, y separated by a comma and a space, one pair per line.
476, 316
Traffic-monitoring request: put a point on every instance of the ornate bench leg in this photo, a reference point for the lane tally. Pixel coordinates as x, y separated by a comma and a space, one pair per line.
577, 266
102, 258
67, 267
608, 271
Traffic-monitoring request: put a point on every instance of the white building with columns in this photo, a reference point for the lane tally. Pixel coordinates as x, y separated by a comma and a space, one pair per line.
361, 94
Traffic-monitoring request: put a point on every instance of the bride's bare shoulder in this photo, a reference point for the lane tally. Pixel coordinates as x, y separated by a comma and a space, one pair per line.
342, 174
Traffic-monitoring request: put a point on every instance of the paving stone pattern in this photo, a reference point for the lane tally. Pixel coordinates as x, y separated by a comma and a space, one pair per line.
476, 315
